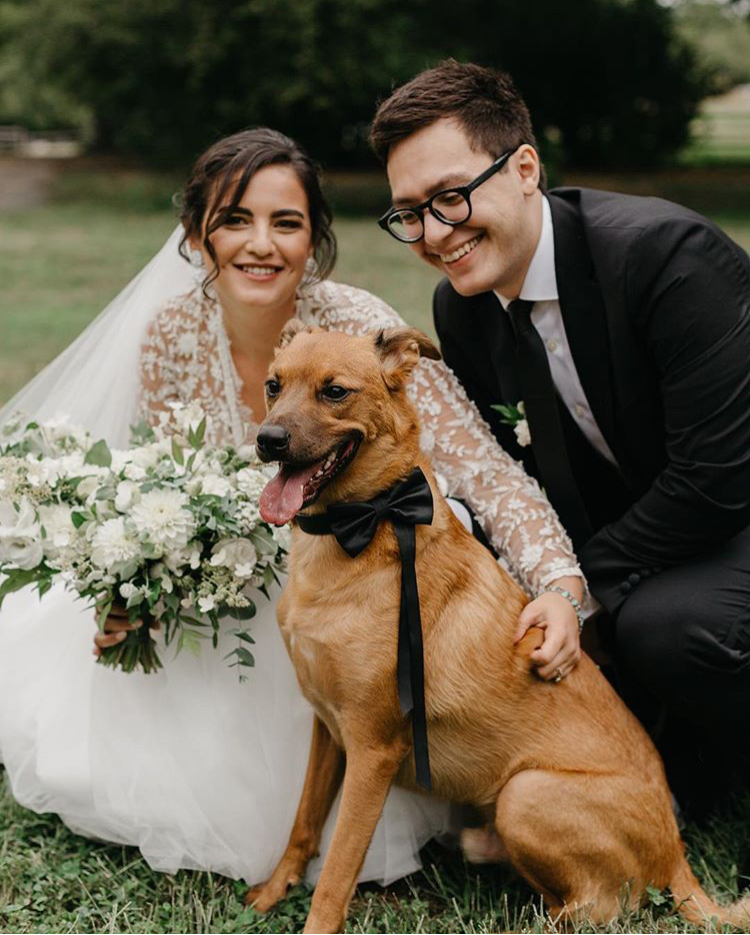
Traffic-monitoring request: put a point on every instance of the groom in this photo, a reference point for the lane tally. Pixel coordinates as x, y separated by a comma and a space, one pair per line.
623, 325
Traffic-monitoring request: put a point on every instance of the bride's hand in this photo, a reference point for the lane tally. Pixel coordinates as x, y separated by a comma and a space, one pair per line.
560, 652
116, 628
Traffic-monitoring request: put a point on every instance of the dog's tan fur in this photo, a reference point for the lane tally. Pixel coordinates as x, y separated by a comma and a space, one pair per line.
572, 789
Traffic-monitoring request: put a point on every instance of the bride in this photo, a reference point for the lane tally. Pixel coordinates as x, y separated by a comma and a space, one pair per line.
195, 768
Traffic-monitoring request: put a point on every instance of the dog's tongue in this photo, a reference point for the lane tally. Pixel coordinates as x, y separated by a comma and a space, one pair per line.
282, 497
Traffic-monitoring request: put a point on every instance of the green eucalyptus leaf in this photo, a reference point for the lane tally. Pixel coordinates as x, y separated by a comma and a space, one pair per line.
99, 454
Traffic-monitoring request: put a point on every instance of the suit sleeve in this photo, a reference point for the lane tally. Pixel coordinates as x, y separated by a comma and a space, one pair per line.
692, 311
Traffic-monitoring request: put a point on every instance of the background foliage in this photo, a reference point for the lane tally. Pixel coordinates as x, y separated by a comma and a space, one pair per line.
609, 82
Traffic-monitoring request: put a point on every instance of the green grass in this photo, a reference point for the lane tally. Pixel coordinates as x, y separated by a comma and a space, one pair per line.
54, 881
59, 265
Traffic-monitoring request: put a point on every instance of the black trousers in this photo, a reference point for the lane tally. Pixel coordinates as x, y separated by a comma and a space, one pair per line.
682, 642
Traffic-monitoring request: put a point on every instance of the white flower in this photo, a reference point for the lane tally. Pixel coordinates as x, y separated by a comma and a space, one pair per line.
114, 549
128, 493
134, 472
88, 487
251, 482
217, 486
58, 527
206, 603
179, 558
283, 536
523, 435
128, 590
44, 471
238, 555
186, 418
20, 535
162, 518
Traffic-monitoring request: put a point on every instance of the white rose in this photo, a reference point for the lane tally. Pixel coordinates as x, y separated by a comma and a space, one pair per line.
127, 494
238, 555
58, 527
20, 535
216, 486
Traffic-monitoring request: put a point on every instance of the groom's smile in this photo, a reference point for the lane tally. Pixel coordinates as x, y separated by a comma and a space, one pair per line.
492, 249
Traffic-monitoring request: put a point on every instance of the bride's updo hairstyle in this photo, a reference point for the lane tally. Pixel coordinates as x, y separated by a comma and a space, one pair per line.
228, 166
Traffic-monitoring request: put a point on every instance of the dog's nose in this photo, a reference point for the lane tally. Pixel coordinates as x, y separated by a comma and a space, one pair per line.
272, 442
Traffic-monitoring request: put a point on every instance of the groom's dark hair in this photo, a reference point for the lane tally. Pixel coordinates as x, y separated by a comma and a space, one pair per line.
483, 101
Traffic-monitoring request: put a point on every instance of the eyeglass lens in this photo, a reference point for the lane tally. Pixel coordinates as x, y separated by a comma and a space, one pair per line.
449, 206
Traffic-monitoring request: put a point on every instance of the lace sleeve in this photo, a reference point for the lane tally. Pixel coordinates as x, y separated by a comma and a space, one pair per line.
508, 503
159, 380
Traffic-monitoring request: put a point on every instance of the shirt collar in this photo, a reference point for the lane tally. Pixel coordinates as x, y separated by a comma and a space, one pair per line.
540, 284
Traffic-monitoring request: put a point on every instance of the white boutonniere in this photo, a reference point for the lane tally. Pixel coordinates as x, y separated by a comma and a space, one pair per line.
515, 416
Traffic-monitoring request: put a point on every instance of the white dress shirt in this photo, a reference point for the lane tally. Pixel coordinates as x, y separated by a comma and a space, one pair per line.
540, 287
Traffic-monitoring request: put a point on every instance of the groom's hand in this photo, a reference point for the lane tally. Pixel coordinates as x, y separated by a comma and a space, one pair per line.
560, 652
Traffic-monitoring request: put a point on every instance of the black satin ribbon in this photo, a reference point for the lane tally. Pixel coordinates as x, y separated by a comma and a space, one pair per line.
406, 505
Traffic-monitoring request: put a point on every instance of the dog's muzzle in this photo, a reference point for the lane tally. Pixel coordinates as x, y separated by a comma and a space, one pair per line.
272, 442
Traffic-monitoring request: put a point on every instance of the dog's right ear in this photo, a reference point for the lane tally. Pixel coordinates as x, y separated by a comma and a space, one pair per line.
293, 327
399, 350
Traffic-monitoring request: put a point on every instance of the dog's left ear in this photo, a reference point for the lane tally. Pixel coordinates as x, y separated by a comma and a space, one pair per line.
399, 350
293, 327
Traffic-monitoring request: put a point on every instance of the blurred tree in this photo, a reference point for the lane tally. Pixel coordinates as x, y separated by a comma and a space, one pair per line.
161, 78
720, 33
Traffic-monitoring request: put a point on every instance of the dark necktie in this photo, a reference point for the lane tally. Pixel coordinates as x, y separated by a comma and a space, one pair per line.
543, 414
407, 504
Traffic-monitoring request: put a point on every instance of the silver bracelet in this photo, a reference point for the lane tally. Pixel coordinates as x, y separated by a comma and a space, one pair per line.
574, 602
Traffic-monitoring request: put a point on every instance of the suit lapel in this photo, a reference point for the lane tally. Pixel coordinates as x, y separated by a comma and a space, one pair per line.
584, 316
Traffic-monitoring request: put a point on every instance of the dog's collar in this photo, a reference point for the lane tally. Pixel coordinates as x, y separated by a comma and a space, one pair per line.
406, 505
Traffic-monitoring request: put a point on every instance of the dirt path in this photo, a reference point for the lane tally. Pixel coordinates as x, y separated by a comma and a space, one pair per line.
25, 183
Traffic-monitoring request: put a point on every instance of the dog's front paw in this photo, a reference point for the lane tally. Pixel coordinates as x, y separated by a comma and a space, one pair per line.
265, 896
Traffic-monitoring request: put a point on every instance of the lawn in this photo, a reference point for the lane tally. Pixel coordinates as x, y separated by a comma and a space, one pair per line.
60, 263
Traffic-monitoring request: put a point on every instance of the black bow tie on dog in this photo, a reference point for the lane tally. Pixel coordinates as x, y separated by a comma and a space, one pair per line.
406, 504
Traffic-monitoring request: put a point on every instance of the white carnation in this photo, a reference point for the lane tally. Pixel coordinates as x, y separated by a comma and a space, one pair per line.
251, 482
162, 518
114, 548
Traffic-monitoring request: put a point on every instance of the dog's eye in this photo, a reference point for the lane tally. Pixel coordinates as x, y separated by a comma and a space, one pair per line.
335, 392
273, 388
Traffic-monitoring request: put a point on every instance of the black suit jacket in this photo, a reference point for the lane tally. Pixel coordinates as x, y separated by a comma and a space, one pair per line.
655, 300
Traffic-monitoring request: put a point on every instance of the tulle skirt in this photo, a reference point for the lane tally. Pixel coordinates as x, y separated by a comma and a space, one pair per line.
197, 769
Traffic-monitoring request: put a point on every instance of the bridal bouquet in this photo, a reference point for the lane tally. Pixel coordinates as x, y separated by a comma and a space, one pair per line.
169, 528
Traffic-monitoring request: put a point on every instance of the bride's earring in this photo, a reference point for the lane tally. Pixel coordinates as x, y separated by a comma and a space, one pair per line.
312, 273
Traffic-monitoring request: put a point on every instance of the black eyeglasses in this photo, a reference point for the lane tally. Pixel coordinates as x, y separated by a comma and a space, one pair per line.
450, 206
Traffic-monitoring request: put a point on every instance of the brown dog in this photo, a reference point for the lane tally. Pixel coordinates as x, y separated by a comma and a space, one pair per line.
573, 790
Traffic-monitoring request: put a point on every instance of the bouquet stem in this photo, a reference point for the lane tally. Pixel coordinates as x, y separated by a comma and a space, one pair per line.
136, 651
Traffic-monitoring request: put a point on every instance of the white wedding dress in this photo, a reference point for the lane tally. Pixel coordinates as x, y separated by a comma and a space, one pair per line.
193, 767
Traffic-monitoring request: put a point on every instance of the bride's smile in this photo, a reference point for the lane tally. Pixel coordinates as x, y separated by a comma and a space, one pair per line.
261, 243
